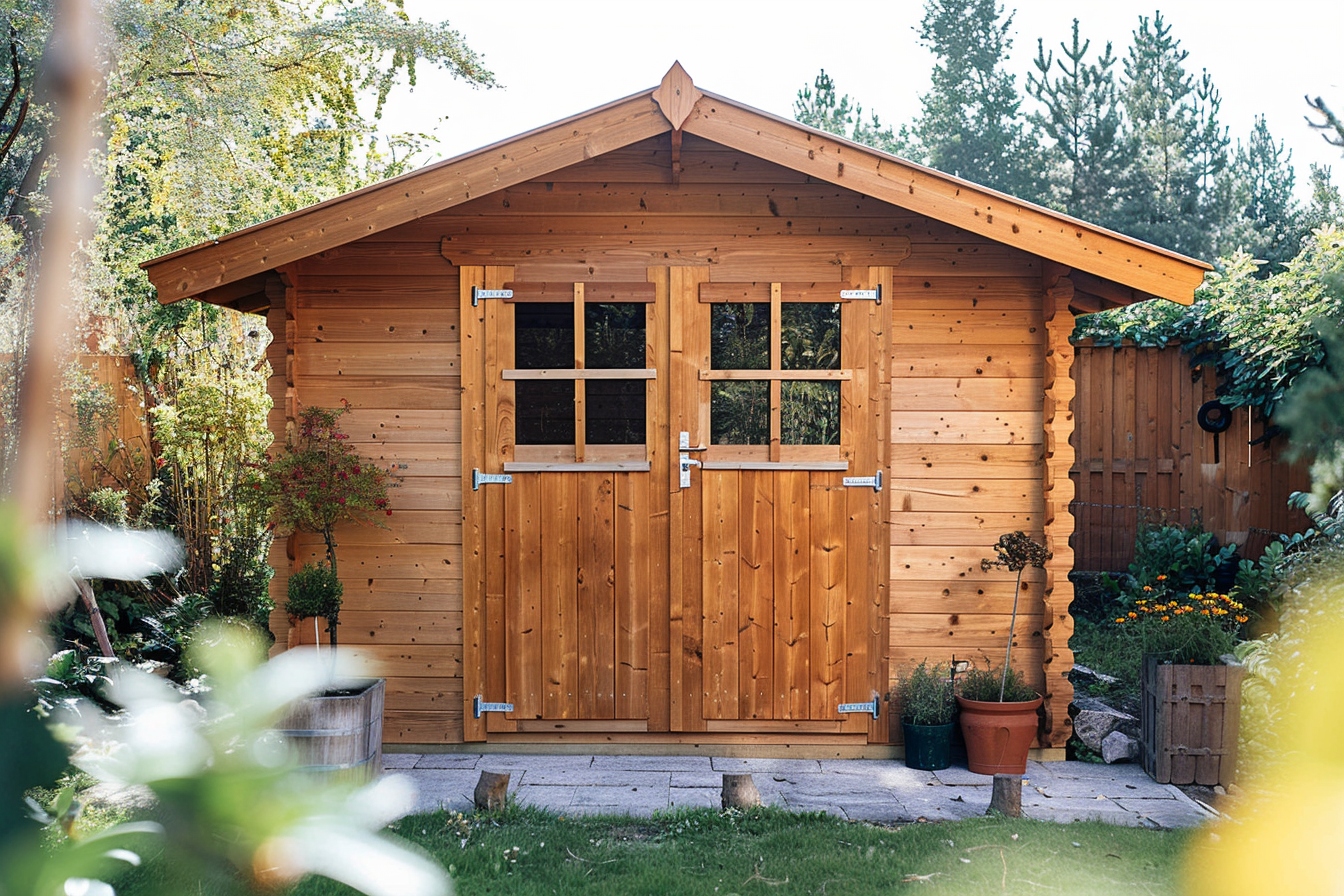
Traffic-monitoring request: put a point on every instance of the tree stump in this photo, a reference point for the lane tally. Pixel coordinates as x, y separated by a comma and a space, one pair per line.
492, 791
739, 792
1007, 796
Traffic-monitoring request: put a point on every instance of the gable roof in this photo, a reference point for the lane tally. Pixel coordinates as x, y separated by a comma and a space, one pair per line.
1115, 268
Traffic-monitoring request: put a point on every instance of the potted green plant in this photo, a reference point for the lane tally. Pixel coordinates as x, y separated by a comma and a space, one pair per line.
314, 595
998, 709
928, 710
319, 482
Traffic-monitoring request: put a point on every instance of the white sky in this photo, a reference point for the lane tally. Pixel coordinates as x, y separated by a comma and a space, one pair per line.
559, 57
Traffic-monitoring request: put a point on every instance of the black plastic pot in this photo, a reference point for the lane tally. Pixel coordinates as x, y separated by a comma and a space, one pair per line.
928, 747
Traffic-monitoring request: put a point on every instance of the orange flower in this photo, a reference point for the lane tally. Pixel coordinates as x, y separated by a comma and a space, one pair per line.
1166, 618
1162, 578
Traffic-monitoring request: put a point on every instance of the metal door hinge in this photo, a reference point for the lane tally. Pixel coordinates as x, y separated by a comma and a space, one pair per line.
477, 294
873, 706
873, 482
871, 295
479, 479
479, 707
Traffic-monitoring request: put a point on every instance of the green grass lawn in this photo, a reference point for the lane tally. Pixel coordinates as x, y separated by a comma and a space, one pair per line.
525, 851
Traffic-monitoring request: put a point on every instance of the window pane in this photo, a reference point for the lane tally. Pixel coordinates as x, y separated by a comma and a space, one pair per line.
615, 411
613, 336
544, 411
810, 413
740, 336
739, 412
810, 336
543, 336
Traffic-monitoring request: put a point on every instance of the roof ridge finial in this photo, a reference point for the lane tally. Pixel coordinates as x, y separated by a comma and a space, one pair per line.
676, 95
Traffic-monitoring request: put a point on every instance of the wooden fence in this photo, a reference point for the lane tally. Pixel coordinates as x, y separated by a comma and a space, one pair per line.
1141, 454
88, 459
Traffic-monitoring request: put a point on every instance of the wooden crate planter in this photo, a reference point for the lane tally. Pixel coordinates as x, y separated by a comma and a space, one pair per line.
340, 733
1190, 718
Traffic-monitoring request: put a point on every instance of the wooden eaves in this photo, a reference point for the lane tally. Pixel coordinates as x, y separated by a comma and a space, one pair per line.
1107, 268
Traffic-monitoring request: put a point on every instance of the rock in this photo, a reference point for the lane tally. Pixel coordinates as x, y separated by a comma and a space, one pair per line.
1095, 721
1085, 672
1119, 747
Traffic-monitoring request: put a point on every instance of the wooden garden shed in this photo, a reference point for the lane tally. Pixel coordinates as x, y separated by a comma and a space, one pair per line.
763, 398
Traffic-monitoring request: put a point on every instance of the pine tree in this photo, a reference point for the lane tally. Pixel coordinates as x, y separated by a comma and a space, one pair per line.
971, 124
1082, 123
1179, 147
1266, 220
819, 107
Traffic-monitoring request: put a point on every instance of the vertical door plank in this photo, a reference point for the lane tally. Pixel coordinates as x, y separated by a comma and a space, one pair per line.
869, 553
497, 448
559, 611
827, 630
596, 593
634, 586
756, 549
688, 341
655, 498
522, 610
474, 676
720, 594
793, 538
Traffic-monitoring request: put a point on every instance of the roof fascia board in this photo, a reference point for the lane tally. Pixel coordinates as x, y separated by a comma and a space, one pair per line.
1148, 269
350, 217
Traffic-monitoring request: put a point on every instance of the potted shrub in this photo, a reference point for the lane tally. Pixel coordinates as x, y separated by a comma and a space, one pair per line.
314, 596
928, 709
998, 710
317, 483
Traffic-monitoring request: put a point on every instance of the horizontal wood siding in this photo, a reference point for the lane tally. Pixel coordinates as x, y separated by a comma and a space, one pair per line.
382, 334
1141, 454
967, 455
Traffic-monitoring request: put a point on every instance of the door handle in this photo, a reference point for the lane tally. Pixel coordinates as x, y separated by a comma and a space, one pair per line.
684, 464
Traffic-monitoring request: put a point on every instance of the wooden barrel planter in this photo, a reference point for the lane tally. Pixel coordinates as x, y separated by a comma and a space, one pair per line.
1190, 718
339, 733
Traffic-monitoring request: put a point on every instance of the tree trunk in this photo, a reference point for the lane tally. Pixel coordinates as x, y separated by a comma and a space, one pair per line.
1007, 796
492, 791
739, 792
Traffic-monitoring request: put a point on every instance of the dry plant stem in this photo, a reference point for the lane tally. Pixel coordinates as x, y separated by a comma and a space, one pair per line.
74, 87
1012, 627
95, 616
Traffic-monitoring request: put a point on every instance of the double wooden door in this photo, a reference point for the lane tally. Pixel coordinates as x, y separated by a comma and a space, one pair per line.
690, 538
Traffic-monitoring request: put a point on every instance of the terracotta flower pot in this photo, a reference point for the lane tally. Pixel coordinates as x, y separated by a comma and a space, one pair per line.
998, 735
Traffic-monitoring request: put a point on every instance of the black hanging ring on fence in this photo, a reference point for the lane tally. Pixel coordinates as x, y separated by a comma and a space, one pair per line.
1214, 417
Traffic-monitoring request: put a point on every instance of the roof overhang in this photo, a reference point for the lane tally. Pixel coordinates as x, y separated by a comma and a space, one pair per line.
1116, 269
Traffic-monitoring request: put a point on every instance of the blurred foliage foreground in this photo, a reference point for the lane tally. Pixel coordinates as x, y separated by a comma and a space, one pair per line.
231, 813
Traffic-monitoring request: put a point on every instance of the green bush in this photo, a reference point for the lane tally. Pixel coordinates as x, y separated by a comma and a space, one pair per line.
984, 685
315, 590
925, 695
1185, 559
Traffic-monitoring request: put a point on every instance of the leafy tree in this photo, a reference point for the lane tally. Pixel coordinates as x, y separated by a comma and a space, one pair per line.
1082, 118
819, 107
971, 124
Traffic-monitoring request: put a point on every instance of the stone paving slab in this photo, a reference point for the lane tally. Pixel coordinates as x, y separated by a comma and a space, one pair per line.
766, 766
588, 777
445, 760
656, 763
